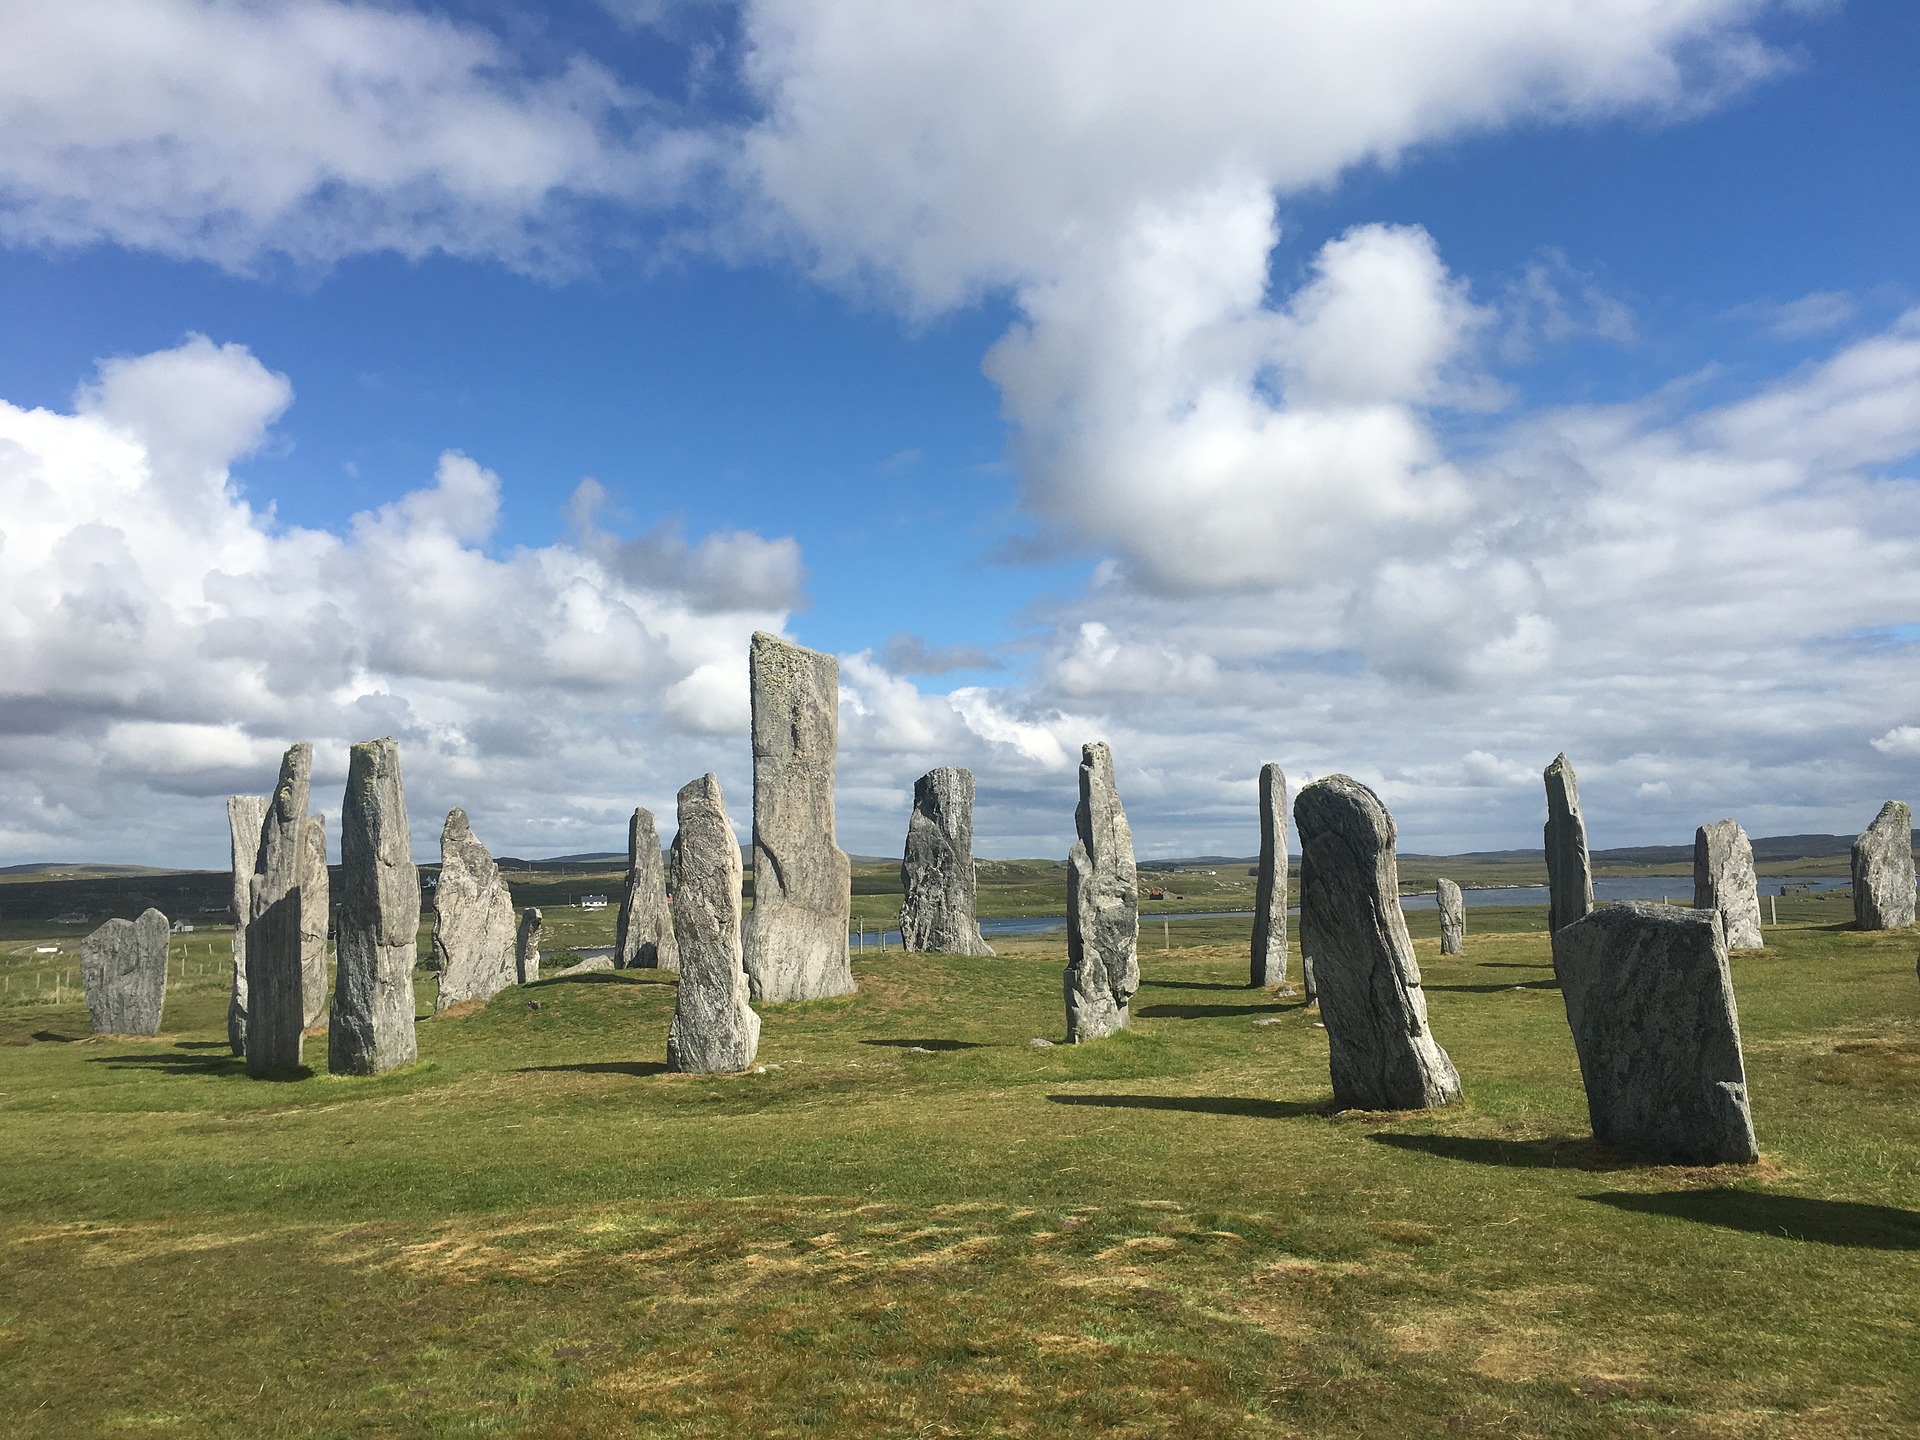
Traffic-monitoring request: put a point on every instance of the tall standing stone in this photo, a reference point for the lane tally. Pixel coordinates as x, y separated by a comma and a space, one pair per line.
124, 967
1453, 916
1883, 870
936, 873
643, 937
1650, 1001
316, 906
1569, 873
245, 815
1270, 889
714, 1029
473, 940
371, 1030
1724, 880
796, 934
527, 945
276, 992
1103, 906
1309, 947
1383, 1056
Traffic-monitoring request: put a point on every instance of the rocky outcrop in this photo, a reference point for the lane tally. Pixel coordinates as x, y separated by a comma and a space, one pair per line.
316, 903
1650, 1000
371, 1028
714, 1030
526, 947
1382, 1055
1724, 880
276, 979
1270, 888
936, 873
245, 815
643, 937
124, 967
473, 939
1569, 872
796, 934
1103, 906
1453, 916
1883, 870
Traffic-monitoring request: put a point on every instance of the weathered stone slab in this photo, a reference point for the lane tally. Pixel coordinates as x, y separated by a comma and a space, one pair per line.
371, 1029
1569, 872
473, 939
643, 936
1883, 870
1382, 1055
1650, 1002
316, 905
276, 993
1453, 916
1308, 946
1724, 880
1270, 887
124, 967
1103, 906
936, 873
796, 933
526, 949
245, 815
714, 1030
592, 965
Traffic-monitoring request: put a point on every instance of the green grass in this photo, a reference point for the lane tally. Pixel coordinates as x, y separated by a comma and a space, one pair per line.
535, 1231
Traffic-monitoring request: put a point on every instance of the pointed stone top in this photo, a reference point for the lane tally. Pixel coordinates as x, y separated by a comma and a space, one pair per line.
456, 825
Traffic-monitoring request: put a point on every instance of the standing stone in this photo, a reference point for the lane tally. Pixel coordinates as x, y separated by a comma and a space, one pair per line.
124, 965
245, 815
796, 934
527, 946
1103, 906
276, 993
1723, 880
1270, 890
1883, 871
473, 941
936, 873
643, 938
1453, 916
316, 906
1308, 946
372, 1025
714, 1030
1569, 873
1650, 1002
1383, 1056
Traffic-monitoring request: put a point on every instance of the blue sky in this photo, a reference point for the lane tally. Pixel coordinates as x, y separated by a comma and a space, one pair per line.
1339, 359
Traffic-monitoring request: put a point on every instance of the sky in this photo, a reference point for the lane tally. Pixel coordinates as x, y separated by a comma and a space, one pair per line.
1400, 388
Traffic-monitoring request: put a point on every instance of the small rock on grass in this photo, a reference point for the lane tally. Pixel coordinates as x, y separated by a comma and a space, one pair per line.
1038, 1044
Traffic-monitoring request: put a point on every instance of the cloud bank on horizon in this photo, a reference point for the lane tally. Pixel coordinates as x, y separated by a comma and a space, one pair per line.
1330, 534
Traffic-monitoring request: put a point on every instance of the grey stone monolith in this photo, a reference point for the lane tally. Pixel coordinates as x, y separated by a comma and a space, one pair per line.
643, 937
1453, 916
276, 990
473, 939
1650, 1001
526, 946
1308, 947
1382, 1054
316, 905
1270, 888
1883, 870
371, 1028
796, 933
936, 872
1103, 906
245, 815
124, 967
1569, 872
1724, 880
714, 1029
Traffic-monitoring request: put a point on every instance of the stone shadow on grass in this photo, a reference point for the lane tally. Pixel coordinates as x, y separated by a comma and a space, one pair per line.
1207, 1012
1204, 1105
1794, 1217
1496, 989
635, 1068
183, 1064
202, 1044
928, 1044
1562, 1152
1193, 985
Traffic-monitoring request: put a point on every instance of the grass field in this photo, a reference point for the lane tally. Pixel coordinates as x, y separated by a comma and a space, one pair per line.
913, 1223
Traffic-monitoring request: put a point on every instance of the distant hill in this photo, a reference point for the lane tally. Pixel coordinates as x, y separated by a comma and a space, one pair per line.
63, 870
